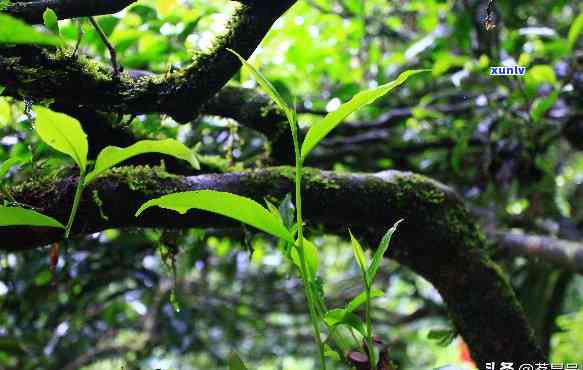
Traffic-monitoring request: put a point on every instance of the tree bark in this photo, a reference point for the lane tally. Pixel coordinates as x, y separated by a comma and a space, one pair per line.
438, 239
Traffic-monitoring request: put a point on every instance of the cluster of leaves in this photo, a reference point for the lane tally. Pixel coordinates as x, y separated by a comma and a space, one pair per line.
64, 133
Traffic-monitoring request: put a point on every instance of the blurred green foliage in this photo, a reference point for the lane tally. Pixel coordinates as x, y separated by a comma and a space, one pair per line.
510, 146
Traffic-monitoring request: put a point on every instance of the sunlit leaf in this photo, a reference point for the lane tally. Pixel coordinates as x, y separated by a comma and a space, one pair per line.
113, 155
537, 76
17, 216
63, 133
51, 20
380, 253
15, 31
334, 316
358, 254
320, 129
234, 206
165, 7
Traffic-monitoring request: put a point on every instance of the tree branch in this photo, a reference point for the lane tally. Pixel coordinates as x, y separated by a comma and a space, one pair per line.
566, 254
438, 240
32, 11
39, 74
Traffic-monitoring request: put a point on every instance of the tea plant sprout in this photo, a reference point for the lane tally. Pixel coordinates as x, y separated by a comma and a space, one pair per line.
303, 253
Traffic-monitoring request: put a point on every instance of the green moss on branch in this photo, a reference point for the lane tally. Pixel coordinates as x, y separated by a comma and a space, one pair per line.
438, 239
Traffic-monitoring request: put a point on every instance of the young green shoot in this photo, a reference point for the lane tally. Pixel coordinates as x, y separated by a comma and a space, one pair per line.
302, 252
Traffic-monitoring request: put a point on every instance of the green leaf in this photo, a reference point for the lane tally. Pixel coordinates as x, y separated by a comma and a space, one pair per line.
345, 338
273, 209
235, 362
62, 133
380, 253
360, 299
17, 216
444, 337
319, 130
267, 87
312, 257
43, 278
537, 76
359, 255
113, 155
445, 61
51, 21
540, 106
339, 316
234, 206
11, 162
436, 334
15, 31
354, 321
331, 354
575, 30
2, 88
334, 316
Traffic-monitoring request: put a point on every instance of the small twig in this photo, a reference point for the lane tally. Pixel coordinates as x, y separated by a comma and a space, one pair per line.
79, 37
112, 52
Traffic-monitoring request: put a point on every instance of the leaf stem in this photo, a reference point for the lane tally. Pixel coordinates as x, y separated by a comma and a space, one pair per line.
369, 340
304, 267
78, 192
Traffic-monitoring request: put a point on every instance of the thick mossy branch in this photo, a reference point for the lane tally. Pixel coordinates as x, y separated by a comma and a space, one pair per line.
32, 11
438, 239
43, 74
